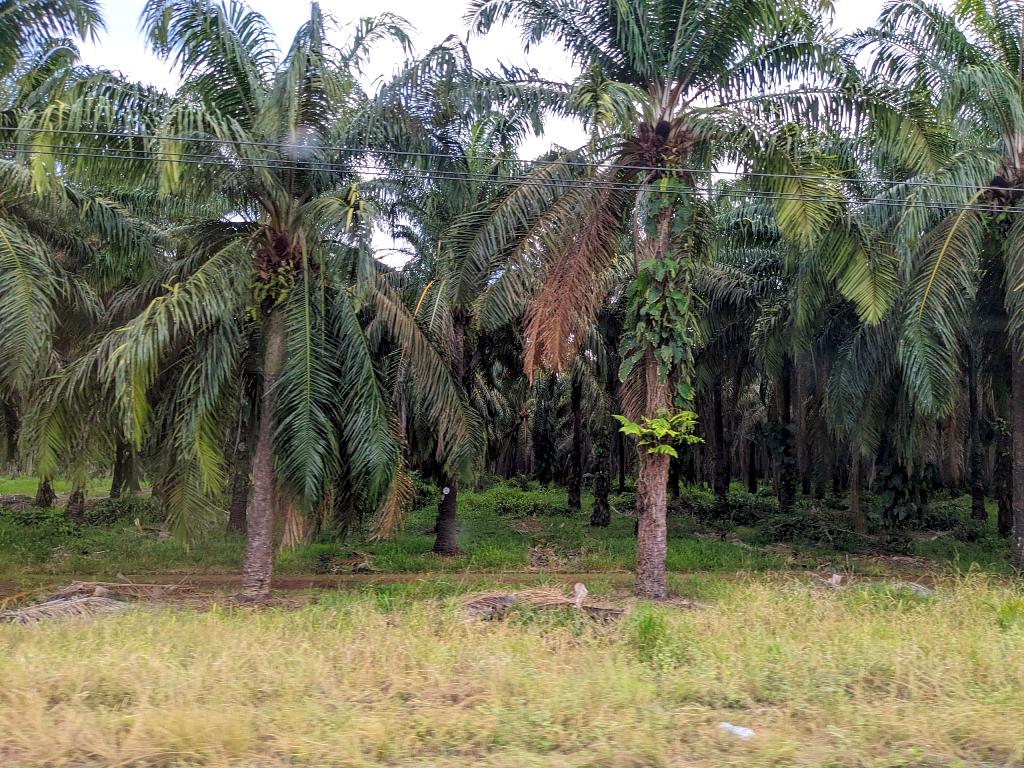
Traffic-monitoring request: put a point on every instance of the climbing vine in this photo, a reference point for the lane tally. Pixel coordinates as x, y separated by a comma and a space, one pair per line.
661, 318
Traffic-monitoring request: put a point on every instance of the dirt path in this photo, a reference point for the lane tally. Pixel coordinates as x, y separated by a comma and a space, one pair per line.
295, 583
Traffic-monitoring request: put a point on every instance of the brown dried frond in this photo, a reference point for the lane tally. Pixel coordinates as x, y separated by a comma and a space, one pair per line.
296, 524
393, 506
104, 588
492, 605
73, 607
633, 393
571, 287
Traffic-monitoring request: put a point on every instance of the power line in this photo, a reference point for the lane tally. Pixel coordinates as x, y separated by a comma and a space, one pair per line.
553, 184
341, 149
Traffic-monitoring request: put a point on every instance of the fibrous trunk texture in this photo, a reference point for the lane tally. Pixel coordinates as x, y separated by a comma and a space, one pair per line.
259, 543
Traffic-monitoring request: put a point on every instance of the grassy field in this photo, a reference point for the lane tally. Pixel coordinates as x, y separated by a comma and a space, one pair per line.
869, 675
27, 485
386, 669
501, 529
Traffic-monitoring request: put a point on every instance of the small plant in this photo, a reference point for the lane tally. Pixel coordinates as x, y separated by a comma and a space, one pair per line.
661, 434
126, 509
505, 501
424, 492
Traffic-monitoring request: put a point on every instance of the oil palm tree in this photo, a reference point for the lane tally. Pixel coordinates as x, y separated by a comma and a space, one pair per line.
28, 26
274, 251
673, 91
62, 246
965, 221
455, 131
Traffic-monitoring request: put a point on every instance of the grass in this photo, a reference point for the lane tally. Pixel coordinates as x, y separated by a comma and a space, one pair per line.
502, 529
490, 543
865, 676
27, 485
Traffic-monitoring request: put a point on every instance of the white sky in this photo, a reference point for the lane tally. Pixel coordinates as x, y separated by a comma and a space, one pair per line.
121, 47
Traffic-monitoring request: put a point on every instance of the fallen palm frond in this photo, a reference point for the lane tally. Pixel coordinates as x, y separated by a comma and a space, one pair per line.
74, 607
494, 605
116, 589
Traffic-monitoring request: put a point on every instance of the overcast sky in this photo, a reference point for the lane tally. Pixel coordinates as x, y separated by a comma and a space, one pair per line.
122, 48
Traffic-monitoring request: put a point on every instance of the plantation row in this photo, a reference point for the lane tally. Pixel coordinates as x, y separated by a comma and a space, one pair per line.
784, 258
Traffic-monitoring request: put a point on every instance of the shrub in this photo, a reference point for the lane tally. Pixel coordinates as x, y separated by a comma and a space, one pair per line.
519, 482
126, 509
33, 534
747, 508
940, 516
739, 508
425, 493
970, 530
511, 502
625, 503
811, 524
47, 520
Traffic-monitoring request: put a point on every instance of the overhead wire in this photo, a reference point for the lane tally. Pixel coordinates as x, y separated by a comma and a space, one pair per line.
386, 152
415, 174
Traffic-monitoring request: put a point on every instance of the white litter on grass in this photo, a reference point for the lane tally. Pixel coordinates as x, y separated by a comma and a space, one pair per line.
737, 730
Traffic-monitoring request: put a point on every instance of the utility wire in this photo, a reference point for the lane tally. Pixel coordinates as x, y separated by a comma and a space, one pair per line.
558, 185
340, 149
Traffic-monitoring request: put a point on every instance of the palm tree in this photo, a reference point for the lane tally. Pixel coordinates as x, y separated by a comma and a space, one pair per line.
281, 258
28, 26
964, 225
455, 131
673, 92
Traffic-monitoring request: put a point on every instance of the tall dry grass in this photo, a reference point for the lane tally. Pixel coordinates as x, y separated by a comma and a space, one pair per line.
861, 677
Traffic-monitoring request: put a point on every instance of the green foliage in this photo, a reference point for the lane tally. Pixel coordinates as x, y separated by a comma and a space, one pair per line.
45, 521
425, 493
661, 434
126, 509
1010, 614
512, 502
654, 639
659, 301
903, 496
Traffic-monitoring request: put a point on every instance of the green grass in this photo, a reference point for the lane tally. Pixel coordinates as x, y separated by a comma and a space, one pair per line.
397, 676
499, 529
27, 485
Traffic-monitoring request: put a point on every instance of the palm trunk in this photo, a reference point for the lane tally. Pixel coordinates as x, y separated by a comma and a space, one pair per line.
803, 453
131, 481
241, 483
117, 480
44, 494
977, 457
675, 476
620, 441
76, 504
259, 544
1017, 539
720, 467
751, 466
652, 469
860, 523
837, 472
576, 457
446, 527
651, 501
600, 513
1004, 482
787, 459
